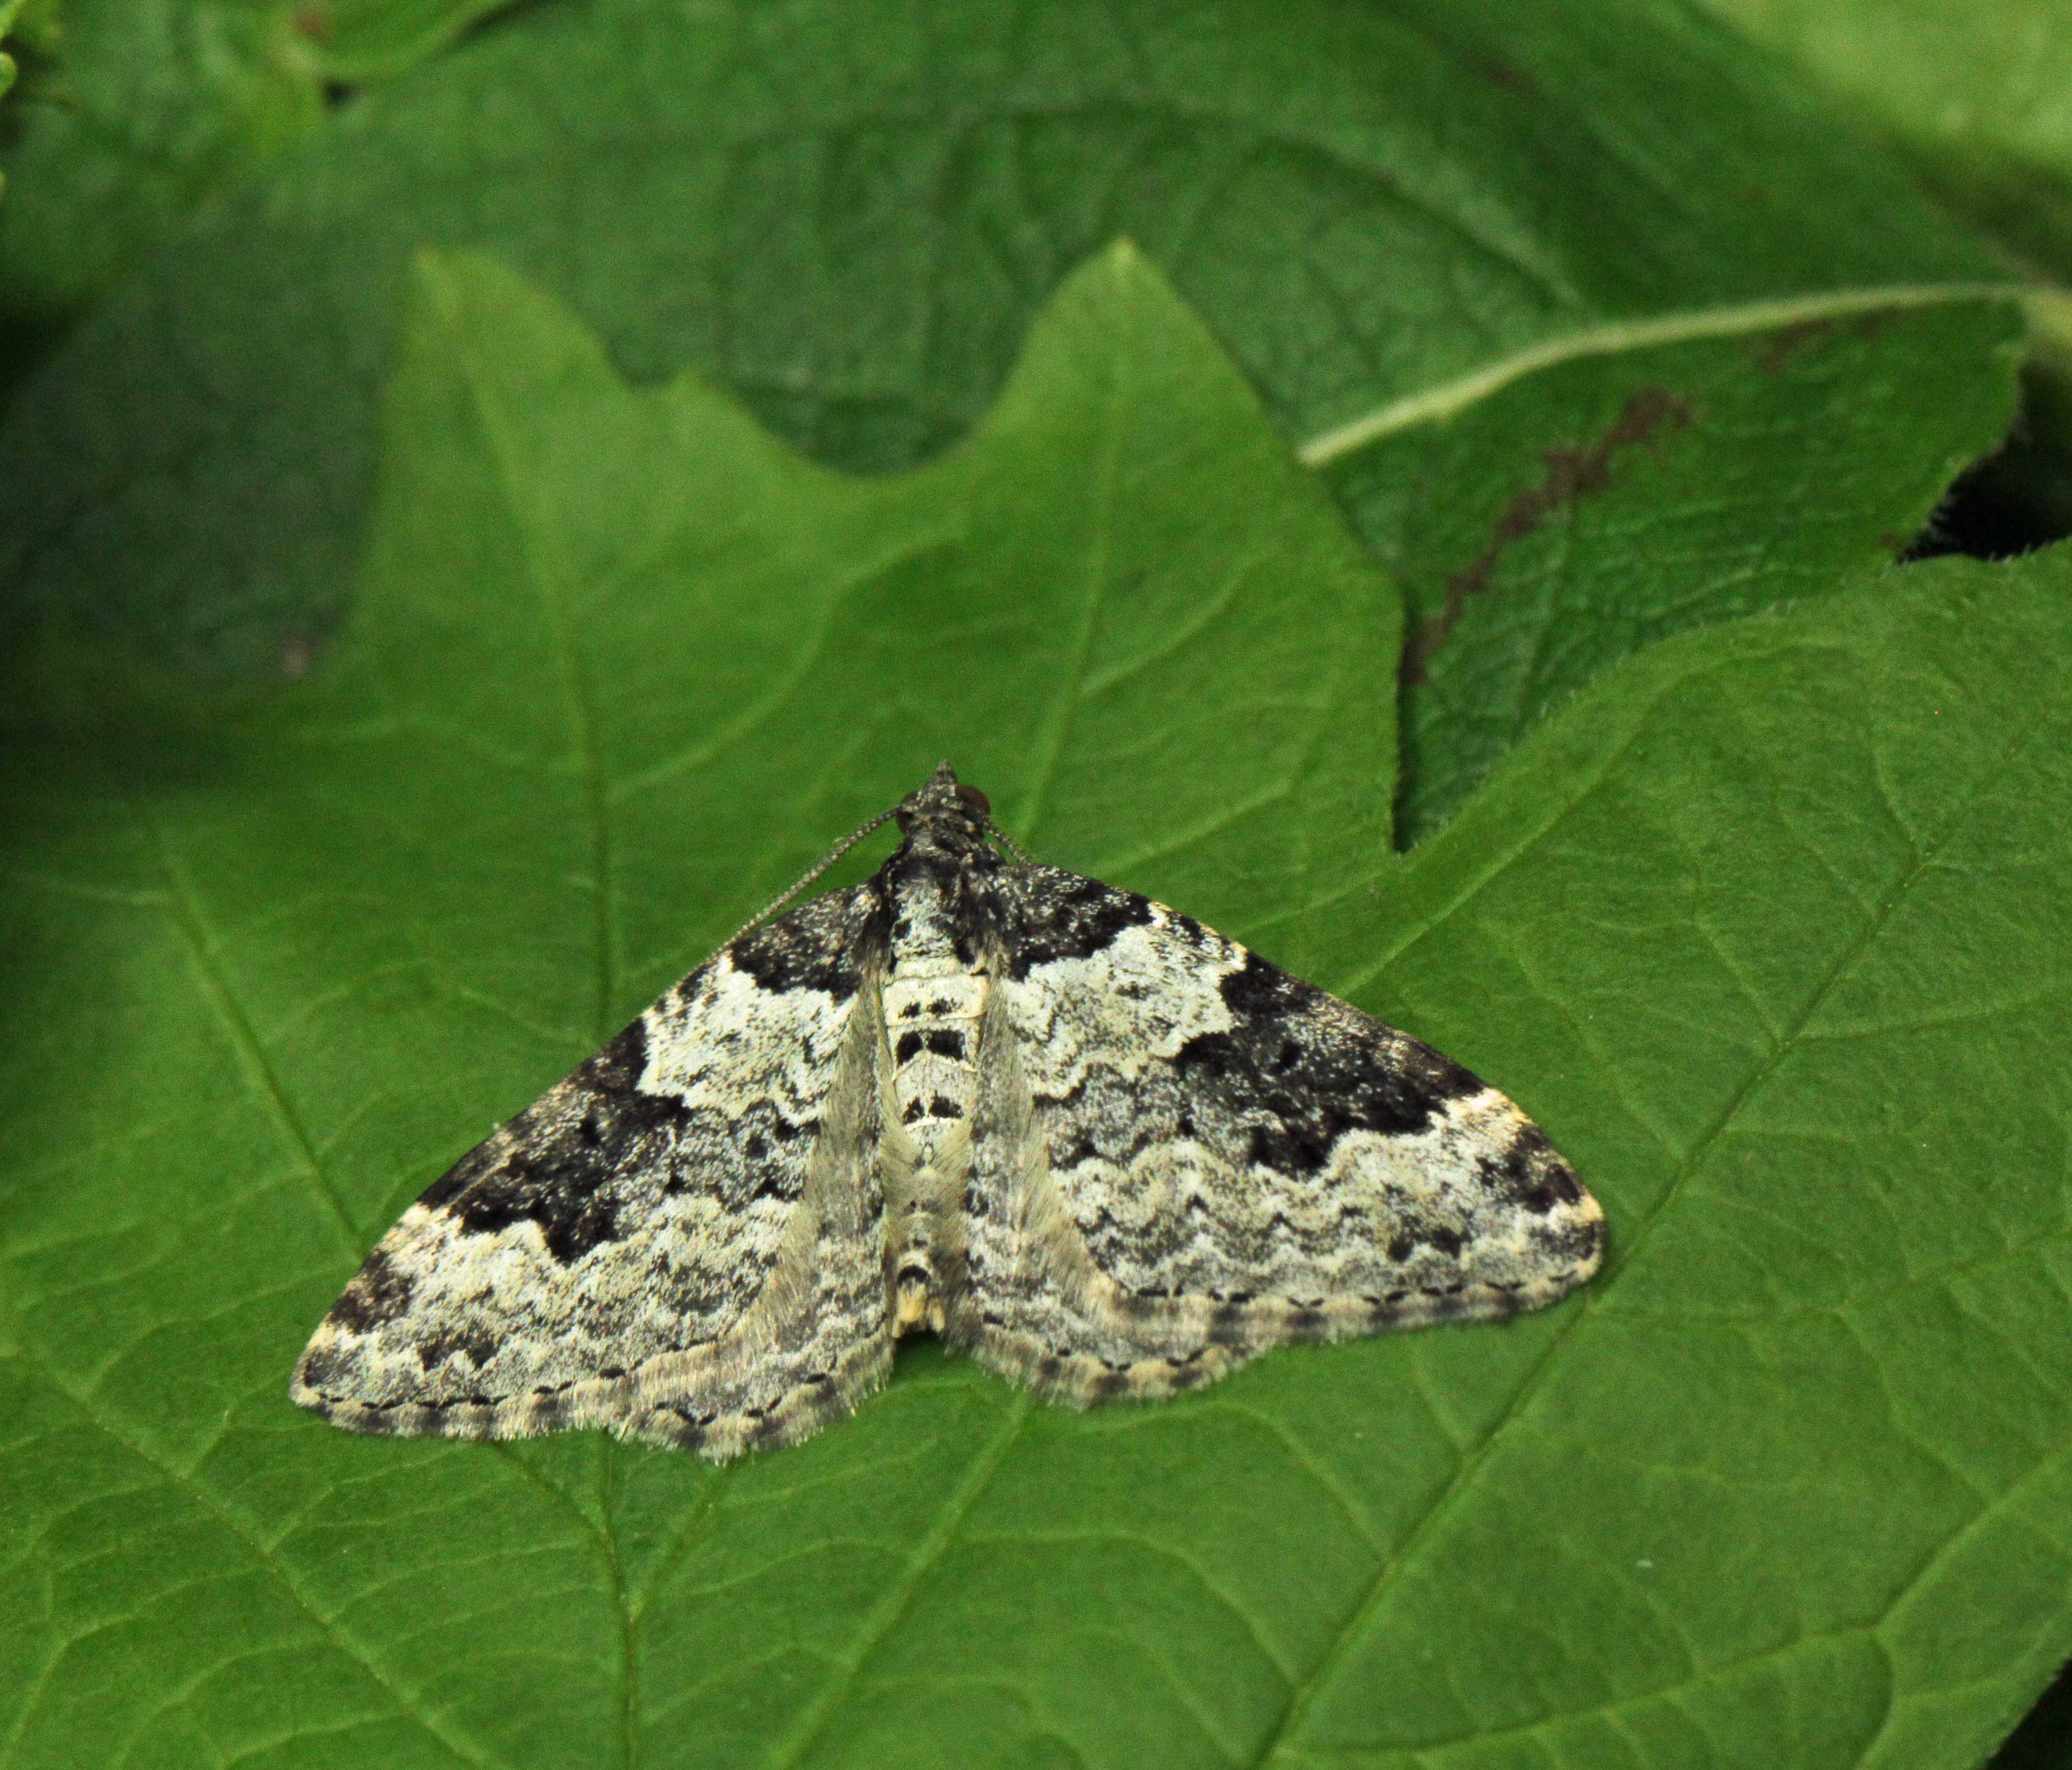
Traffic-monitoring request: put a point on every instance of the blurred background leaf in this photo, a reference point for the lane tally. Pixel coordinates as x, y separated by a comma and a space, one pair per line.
1499, 273
1978, 100
10, 16
376, 39
1978, 97
134, 114
138, 113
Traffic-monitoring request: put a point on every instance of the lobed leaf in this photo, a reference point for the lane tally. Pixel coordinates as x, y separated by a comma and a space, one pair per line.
1764, 927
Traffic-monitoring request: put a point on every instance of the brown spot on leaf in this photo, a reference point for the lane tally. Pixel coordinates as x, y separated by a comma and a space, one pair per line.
313, 22
1571, 474
1775, 350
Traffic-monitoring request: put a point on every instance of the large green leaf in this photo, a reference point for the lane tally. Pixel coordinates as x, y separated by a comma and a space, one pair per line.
1462, 253
1765, 928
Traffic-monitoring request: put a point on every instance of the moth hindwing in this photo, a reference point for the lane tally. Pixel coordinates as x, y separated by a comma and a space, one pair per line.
1101, 1147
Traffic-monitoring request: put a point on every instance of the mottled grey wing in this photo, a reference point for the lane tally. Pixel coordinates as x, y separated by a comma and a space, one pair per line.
679, 1242
1182, 1155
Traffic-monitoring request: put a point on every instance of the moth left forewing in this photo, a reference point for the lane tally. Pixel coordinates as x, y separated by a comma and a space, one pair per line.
678, 1241
1183, 1155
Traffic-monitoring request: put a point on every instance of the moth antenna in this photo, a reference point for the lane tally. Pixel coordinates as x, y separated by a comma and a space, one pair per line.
1008, 843
812, 873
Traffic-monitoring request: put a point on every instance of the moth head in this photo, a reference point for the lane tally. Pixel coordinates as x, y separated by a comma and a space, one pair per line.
943, 799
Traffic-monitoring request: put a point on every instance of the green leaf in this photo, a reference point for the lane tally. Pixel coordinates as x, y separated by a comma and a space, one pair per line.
369, 39
1975, 94
1971, 94
1445, 243
136, 112
1762, 467
1765, 928
142, 111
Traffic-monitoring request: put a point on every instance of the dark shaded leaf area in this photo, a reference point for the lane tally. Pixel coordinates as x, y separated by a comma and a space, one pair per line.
1462, 253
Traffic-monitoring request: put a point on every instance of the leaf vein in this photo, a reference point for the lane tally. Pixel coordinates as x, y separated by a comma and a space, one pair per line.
184, 912
1436, 404
813, 1719
1622, 1262
408, 1702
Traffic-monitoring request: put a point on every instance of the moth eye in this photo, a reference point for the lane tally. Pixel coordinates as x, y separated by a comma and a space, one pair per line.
972, 797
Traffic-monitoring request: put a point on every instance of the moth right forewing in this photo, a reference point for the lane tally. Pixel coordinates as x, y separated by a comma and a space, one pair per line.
1032, 1304
1189, 1156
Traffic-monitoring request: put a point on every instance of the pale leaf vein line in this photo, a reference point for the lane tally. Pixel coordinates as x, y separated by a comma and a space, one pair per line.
1050, 740
1433, 405
550, 573
184, 911
813, 1719
408, 1702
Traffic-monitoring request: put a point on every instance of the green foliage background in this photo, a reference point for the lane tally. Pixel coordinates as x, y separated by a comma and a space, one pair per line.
1419, 490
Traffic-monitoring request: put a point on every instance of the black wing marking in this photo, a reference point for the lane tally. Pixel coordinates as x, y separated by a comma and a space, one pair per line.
679, 1241
1183, 1155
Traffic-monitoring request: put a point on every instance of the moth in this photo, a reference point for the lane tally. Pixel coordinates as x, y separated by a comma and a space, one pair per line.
1098, 1146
